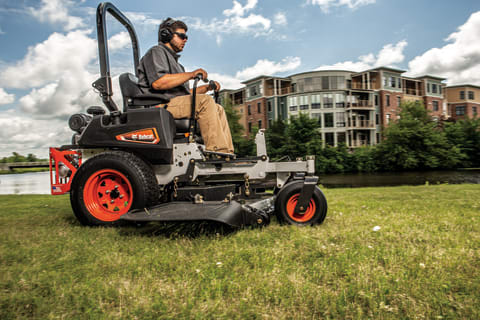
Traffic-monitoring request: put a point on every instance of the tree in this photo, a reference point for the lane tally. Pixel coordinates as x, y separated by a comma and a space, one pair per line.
415, 142
465, 134
275, 137
302, 135
243, 146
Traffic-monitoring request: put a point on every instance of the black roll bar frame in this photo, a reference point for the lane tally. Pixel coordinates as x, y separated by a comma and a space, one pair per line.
104, 83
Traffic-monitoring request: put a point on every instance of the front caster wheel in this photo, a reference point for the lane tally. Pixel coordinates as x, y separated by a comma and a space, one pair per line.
287, 200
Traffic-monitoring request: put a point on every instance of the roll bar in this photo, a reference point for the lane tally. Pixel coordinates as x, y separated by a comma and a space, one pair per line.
104, 83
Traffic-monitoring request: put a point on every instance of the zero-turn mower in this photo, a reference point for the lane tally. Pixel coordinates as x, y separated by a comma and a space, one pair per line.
142, 165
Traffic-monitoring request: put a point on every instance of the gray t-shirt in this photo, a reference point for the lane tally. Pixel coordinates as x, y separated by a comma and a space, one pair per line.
157, 62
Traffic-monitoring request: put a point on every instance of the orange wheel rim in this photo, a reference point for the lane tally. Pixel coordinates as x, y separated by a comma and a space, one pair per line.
298, 217
108, 195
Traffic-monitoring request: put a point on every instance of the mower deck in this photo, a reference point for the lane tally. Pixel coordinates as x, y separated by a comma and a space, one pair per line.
231, 213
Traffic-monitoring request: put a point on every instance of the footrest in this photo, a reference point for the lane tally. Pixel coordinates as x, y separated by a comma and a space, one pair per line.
218, 155
231, 213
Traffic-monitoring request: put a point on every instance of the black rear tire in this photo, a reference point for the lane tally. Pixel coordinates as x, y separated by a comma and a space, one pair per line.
287, 199
109, 185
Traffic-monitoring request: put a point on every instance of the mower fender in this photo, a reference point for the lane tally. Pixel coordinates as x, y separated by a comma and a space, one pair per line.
309, 185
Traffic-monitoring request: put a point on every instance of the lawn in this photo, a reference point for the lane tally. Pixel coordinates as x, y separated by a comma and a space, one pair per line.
383, 253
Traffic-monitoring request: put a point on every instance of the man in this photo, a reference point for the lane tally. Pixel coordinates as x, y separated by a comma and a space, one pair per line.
160, 73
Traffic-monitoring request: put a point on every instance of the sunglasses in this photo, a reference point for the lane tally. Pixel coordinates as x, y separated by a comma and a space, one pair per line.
182, 36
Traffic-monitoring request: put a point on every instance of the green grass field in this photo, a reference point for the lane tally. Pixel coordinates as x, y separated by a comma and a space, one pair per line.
423, 262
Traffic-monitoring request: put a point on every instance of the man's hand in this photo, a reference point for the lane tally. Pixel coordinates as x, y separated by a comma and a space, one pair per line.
217, 88
203, 72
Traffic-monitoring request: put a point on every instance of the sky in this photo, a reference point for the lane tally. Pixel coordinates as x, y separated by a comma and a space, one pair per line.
49, 53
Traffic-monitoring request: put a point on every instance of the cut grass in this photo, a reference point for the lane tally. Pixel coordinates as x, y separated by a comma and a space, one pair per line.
423, 262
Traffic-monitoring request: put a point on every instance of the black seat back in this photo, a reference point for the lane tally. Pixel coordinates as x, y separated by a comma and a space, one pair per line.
133, 97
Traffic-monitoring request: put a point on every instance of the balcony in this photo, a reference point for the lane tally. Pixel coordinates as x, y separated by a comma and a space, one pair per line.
412, 92
364, 85
358, 143
237, 102
361, 105
280, 91
360, 124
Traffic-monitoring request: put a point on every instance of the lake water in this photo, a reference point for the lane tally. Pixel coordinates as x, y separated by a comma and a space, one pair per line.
39, 182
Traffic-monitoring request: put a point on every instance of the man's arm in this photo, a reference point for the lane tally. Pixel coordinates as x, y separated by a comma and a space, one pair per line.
169, 81
205, 88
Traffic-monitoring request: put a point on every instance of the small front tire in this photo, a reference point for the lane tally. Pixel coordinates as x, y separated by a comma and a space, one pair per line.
287, 200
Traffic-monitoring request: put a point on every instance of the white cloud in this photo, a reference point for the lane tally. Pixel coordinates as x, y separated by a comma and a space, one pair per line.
238, 9
56, 72
236, 21
23, 134
119, 41
280, 19
56, 12
267, 67
459, 60
389, 56
47, 61
261, 67
6, 98
325, 5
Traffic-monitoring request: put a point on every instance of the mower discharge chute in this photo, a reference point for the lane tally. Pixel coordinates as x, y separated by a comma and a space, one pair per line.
142, 165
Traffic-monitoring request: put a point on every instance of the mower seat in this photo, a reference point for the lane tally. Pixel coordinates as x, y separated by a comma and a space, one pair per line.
134, 98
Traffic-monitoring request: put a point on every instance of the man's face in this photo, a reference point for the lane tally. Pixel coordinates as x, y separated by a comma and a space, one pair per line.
177, 42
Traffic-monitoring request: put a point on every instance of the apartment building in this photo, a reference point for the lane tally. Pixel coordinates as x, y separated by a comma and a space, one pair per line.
350, 107
463, 101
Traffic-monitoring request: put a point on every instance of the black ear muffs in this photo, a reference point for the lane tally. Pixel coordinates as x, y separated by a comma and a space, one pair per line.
165, 33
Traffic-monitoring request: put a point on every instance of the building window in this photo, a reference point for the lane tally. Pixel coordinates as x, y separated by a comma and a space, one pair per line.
471, 96
325, 84
340, 100
259, 107
269, 106
462, 95
293, 108
376, 100
316, 99
388, 100
377, 119
392, 81
317, 116
340, 119
303, 103
328, 117
249, 127
329, 139
341, 137
459, 110
253, 91
328, 100
259, 124
435, 105
249, 110
474, 111
434, 88
388, 119
428, 88
399, 101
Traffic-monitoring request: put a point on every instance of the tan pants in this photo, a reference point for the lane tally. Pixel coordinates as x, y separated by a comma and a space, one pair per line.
211, 119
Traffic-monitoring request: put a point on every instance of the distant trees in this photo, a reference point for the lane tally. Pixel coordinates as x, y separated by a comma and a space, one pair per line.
16, 157
413, 142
